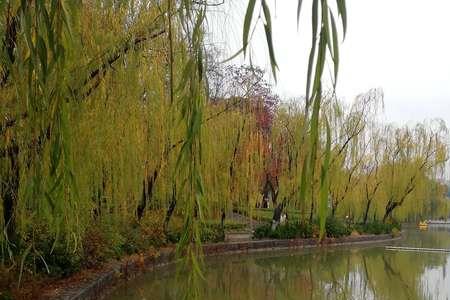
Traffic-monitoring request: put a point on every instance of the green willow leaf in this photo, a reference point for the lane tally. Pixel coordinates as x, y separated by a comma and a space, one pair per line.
324, 182
299, 9
313, 145
268, 31
200, 64
312, 53
303, 179
65, 18
266, 11
42, 52
247, 23
326, 24
320, 63
343, 14
273, 62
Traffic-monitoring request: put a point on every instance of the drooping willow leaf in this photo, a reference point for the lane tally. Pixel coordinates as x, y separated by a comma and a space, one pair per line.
247, 23
299, 9
324, 181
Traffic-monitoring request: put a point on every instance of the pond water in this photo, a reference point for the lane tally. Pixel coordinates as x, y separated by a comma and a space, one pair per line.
363, 272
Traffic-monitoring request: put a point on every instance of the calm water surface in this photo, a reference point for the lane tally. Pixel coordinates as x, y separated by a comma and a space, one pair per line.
365, 272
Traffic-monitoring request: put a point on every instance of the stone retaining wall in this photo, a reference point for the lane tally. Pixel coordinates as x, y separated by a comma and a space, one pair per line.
103, 282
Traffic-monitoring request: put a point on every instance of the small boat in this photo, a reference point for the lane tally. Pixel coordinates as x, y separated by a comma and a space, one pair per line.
423, 225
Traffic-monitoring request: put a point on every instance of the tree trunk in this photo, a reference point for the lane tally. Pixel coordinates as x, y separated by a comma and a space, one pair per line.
268, 192
366, 211
389, 209
171, 209
334, 206
391, 205
311, 213
147, 192
222, 225
369, 198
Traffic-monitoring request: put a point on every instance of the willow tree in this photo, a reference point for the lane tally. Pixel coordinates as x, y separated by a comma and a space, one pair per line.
413, 155
288, 142
350, 144
87, 129
243, 91
371, 179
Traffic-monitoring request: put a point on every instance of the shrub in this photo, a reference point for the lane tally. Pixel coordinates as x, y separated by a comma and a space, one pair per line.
289, 230
97, 247
285, 231
336, 228
173, 236
42, 253
103, 241
378, 227
149, 232
61, 261
262, 231
210, 233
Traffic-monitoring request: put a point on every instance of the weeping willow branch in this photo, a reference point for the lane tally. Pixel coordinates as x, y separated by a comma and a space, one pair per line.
94, 76
192, 91
98, 73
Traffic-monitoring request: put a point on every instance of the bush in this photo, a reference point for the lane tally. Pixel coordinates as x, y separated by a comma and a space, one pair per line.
101, 243
333, 227
289, 230
262, 232
173, 237
60, 262
285, 231
42, 253
377, 227
149, 232
210, 233
336, 228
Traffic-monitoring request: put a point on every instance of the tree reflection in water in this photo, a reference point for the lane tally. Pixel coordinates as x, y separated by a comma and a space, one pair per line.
334, 273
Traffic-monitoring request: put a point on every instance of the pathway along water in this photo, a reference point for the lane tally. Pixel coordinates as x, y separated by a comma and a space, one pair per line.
368, 272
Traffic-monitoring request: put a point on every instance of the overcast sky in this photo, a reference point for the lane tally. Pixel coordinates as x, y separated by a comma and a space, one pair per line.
401, 46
